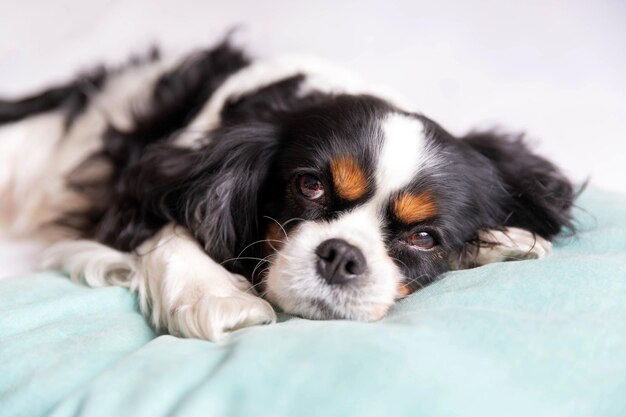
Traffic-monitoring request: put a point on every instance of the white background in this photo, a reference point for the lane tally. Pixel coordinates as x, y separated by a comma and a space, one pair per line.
555, 69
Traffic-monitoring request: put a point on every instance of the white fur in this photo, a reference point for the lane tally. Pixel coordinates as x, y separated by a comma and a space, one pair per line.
25, 151
179, 287
401, 155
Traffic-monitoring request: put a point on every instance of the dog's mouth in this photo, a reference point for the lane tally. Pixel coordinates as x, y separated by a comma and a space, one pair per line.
294, 285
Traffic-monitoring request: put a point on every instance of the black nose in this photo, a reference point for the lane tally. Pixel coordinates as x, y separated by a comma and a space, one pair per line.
339, 262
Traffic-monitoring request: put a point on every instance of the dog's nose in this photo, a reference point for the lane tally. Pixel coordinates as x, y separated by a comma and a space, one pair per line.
339, 262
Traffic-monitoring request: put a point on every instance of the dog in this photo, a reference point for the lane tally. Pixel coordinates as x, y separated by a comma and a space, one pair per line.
217, 187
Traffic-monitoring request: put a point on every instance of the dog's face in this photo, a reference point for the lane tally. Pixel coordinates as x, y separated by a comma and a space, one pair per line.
355, 220
366, 205
340, 208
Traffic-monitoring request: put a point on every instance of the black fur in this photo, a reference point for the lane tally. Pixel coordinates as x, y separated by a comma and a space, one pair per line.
116, 217
539, 197
213, 191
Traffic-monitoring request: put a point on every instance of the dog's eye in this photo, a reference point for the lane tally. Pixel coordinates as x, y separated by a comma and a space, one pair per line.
310, 187
422, 240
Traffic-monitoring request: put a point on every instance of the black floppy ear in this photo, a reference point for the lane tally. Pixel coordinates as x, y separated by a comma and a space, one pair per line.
538, 197
533, 199
221, 200
213, 191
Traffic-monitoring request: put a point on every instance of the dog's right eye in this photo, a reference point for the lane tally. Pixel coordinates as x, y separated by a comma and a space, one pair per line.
422, 240
310, 186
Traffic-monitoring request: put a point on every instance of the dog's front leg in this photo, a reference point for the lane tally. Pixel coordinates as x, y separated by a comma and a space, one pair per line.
192, 295
179, 286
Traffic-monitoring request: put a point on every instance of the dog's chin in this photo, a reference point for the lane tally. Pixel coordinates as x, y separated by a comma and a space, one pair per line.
339, 306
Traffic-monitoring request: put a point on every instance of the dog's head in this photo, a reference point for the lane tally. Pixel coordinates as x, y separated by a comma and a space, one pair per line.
339, 209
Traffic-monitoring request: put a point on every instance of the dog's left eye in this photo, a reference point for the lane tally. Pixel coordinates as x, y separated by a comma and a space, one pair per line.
310, 186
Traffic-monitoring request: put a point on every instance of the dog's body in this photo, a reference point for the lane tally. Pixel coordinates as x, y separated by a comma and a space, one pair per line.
197, 182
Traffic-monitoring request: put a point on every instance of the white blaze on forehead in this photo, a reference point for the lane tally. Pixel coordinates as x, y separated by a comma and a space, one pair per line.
401, 154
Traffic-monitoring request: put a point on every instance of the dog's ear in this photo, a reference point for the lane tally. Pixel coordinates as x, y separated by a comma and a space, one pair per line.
222, 198
538, 196
535, 201
219, 203
213, 190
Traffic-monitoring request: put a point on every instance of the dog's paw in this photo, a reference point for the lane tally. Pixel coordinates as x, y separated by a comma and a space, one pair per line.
512, 244
212, 317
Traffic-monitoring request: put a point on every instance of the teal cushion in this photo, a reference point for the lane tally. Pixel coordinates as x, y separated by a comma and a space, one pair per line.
528, 338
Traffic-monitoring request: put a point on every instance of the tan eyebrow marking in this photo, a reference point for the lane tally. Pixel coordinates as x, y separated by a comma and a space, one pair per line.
411, 208
349, 179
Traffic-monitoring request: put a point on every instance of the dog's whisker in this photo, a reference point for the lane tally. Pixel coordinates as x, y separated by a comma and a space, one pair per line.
398, 260
253, 287
264, 294
279, 225
238, 258
263, 271
412, 280
289, 258
408, 284
257, 242
293, 220
265, 260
